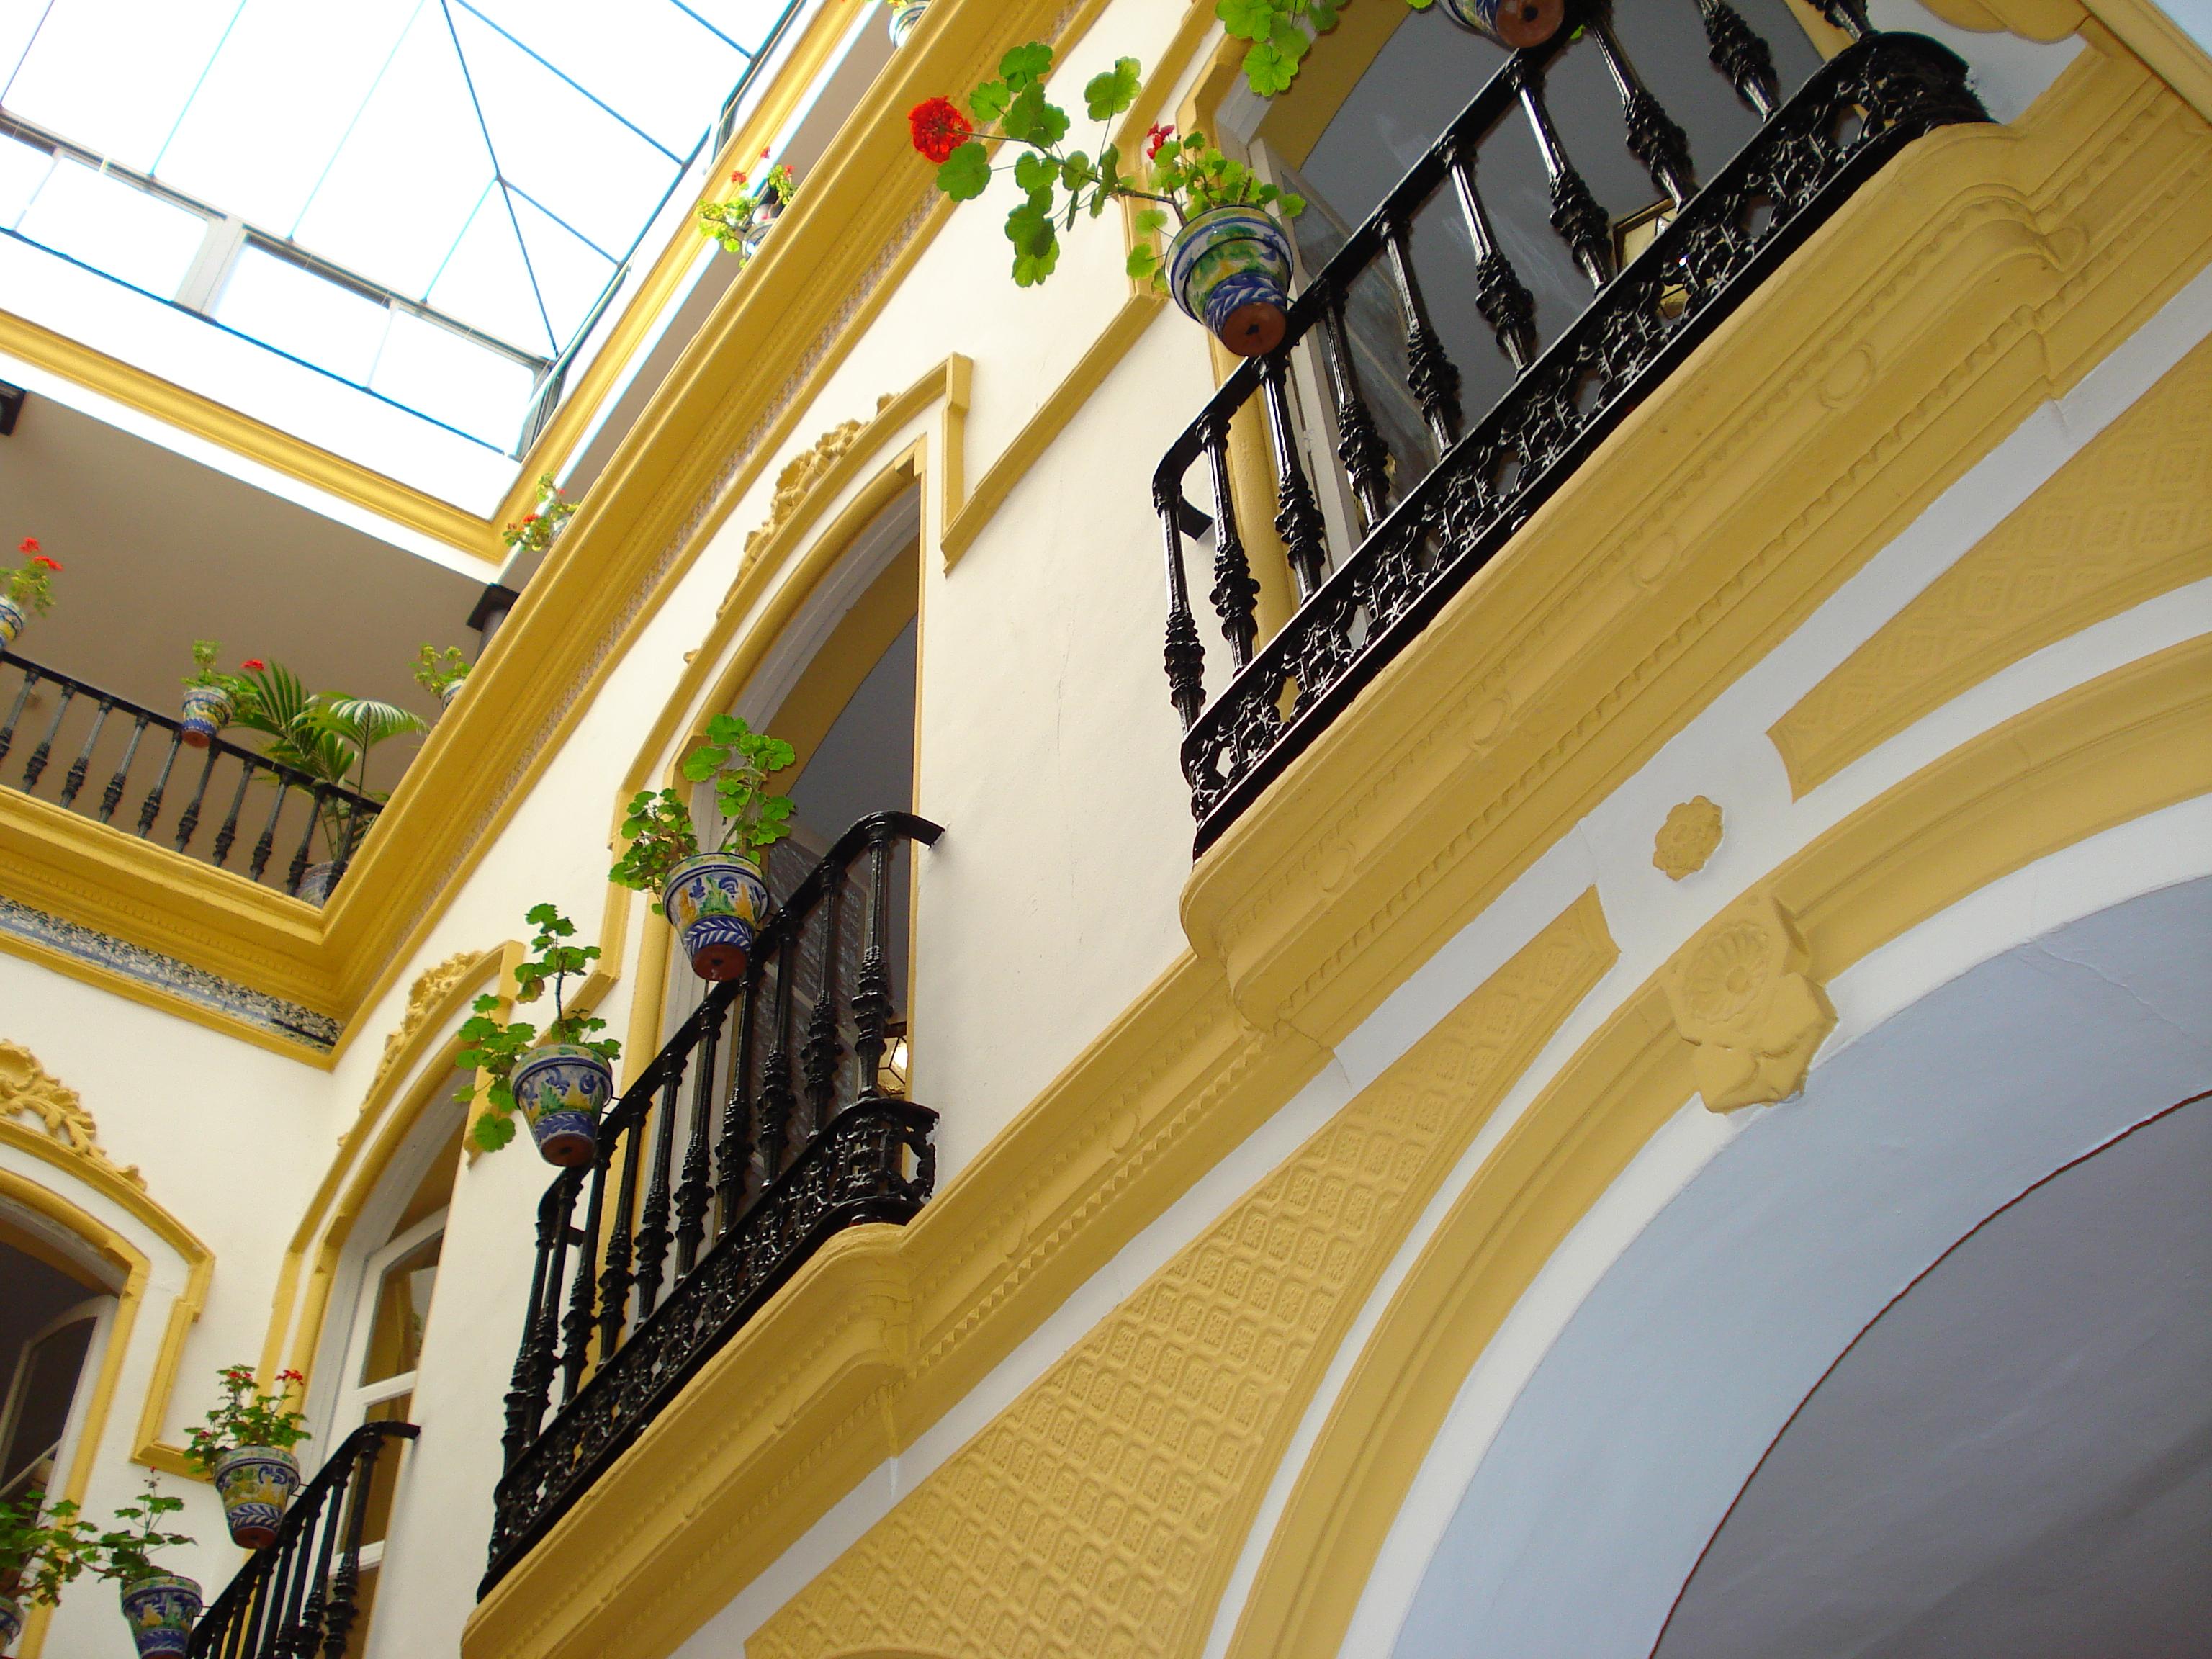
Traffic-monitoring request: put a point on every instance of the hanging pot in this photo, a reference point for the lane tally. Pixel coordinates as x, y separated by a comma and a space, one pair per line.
11, 1621
562, 1090
1230, 268
448, 691
162, 1611
715, 901
905, 13
13, 620
1516, 23
206, 712
255, 1484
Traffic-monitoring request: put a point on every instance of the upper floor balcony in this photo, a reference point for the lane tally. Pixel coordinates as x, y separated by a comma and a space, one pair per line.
1391, 489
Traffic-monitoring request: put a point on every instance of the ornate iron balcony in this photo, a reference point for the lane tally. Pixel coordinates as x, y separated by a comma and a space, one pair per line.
810, 1139
301, 1594
1418, 530
221, 778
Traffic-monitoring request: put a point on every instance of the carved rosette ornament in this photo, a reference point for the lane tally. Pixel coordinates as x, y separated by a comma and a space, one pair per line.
1687, 839
28, 1090
1740, 992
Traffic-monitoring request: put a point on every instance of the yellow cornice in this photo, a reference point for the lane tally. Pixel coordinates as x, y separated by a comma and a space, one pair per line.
257, 440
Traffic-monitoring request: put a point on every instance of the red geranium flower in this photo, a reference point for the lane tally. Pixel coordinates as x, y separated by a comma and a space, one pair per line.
938, 128
41, 558
1156, 136
30, 544
253, 664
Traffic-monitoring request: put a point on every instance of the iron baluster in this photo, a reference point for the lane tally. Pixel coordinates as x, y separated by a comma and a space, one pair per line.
871, 990
1298, 518
1430, 375
525, 1397
1582, 223
1499, 293
36, 766
73, 780
15, 709
318, 804
697, 1192
267, 842
615, 1277
293, 1599
151, 809
733, 1156
777, 1101
1185, 656
1741, 53
1653, 137
1848, 15
315, 1619
1236, 595
576, 1324
112, 797
345, 1581
228, 833
653, 1233
819, 1055
1360, 443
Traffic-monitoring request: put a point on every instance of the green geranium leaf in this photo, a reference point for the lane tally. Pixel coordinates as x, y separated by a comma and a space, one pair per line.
1151, 221
988, 101
1323, 13
1033, 172
1268, 71
965, 175
492, 1132
1108, 95
1025, 64
1291, 205
1033, 121
1247, 20
1144, 261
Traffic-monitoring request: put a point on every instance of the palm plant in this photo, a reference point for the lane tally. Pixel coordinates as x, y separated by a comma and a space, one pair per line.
328, 736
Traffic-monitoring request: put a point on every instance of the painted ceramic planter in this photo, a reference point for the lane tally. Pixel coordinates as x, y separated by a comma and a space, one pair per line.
11, 1621
715, 901
1509, 22
206, 712
905, 13
448, 691
162, 1611
13, 620
255, 1484
562, 1090
1230, 268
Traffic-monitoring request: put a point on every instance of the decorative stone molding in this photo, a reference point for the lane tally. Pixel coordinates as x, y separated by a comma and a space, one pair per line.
28, 1090
799, 475
1687, 839
1739, 992
429, 989
2032, 20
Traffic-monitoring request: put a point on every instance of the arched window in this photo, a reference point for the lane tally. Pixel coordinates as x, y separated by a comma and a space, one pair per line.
54, 1314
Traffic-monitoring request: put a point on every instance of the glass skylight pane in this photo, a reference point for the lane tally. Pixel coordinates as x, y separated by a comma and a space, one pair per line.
745, 21
645, 58
259, 132
452, 378
115, 228
22, 170
486, 285
282, 304
113, 75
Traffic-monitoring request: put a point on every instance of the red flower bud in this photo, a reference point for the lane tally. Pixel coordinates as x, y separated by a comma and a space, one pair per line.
30, 544
253, 664
938, 128
41, 558
1156, 135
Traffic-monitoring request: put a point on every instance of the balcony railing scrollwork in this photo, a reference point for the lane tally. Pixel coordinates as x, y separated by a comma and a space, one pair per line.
301, 1594
165, 791
1419, 531
768, 1124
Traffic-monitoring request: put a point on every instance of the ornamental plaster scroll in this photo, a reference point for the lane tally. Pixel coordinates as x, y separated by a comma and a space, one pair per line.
2032, 20
1741, 994
798, 480
1687, 839
28, 1090
429, 990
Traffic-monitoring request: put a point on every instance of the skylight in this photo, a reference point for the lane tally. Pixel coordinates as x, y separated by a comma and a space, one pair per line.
430, 202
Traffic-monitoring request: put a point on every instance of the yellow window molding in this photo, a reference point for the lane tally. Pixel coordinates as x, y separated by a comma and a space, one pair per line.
2128, 518
2120, 747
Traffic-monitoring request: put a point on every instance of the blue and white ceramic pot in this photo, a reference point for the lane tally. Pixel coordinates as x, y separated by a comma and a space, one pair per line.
206, 711
255, 1484
562, 1090
13, 620
905, 13
1509, 22
162, 1611
715, 901
11, 1622
1230, 268
449, 690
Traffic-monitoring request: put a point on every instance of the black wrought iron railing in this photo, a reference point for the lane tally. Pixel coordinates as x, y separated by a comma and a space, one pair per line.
1417, 519
781, 1094
301, 1594
222, 804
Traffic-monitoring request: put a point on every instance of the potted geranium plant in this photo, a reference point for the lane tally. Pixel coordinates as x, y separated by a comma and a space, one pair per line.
209, 695
42, 1547
246, 1449
1228, 263
561, 1081
1277, 29
441, 674
716, 897
26, 590
533, 532
161, 1606
741, 223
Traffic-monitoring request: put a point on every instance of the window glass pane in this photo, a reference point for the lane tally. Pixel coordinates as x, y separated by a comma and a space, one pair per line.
22, 170
116, 228
450, 378
286, 305
376, 1508
49, 1384
402, 1301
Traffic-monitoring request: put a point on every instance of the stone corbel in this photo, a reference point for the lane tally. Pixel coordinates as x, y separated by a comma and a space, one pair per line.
1741, 994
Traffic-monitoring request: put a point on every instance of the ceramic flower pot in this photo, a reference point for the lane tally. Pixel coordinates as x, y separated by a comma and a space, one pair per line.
715, 901
13, 619
1230, 268
11, 1621
162, 1611
1510, 22
905, 13
562, 1090
206, 712
448, 691
255, 1484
